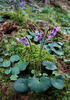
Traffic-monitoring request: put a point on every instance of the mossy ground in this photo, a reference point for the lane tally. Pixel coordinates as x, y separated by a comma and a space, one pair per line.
54, 16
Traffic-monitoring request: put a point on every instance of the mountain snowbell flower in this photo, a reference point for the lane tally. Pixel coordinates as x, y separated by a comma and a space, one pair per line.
46, 24
12, 6
37, 32
23, 40
39, 36
18, 39
54, 31
22, 3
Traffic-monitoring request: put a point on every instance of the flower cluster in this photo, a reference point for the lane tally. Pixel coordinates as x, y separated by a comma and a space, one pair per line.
23, 40
46, 24
39, 36
22, 3
54, 31
17, 3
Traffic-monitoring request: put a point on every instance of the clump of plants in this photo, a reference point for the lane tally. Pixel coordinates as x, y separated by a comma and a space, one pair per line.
25, 52
41, 64
40, 81
66, 49
19, 18
13, 66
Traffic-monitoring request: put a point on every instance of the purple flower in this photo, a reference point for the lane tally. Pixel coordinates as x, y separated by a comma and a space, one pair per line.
54, 31
37, 32
18, 39
22, 3
46, 24
23, 40
39, 36
12, 6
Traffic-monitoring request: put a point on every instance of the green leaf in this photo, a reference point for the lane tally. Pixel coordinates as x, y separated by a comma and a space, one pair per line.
6, 54
14, 58
13, 77
55, 73
32, 71
8, 71
67, 61
21, 65
58, 82
29, 36
49, 65
21, 85
1, 19
68, 75
58, 52
32, 34
60, 43
45, 75
54, 47
15, 70
5, 41
47, 48
13, 43
39, 74
1, 65
36, 39
1, 59
66, 30
6, 63
39, 85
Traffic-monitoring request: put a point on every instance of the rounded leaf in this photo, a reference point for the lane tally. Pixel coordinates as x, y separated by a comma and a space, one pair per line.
39, 85
49, 65
5, 41
67, 61
14, 58
56, 73
13, 77
36, 39
8, 71
21, 85
6, 63
56, 48
58, 82
15, 70
44, 74
1, 65
29, 36
21, 65
1, 59
32, 71
32, 34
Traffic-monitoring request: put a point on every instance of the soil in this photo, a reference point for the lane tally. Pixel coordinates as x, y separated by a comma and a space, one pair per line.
7, 28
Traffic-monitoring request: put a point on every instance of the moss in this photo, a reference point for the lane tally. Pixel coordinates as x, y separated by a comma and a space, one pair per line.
26, 54
18, 17
58, 37
66, 50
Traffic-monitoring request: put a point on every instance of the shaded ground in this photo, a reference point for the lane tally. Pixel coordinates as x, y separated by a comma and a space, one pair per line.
7, 28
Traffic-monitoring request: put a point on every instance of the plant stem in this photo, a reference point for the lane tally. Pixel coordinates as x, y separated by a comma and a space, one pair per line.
41, 48
32, 55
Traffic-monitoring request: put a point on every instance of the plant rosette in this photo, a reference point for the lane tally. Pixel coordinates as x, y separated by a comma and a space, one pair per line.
39, 84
